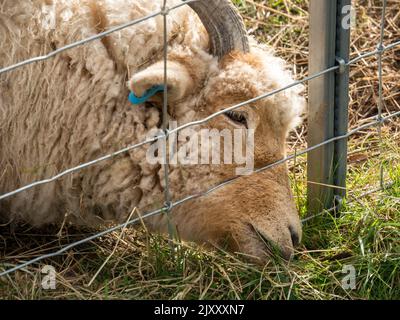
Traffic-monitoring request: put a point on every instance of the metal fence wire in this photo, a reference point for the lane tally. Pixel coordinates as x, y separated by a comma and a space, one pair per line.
169, 204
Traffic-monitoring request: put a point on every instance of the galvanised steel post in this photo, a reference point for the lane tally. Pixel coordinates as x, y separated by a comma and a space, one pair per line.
345, 16
328, 101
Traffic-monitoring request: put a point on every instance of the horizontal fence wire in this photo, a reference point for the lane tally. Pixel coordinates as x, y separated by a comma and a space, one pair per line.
385, 186
190, 124
93, 38
169, 205
177, 203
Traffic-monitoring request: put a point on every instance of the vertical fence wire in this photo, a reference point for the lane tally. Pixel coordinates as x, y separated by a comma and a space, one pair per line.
380, 97
165, 123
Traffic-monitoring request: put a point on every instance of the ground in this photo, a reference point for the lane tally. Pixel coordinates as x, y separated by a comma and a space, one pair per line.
365, 238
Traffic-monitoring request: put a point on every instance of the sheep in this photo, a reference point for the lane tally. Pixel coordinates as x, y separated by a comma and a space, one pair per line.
74, 108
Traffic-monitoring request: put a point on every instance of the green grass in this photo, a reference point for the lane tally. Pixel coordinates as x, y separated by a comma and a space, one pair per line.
366, 236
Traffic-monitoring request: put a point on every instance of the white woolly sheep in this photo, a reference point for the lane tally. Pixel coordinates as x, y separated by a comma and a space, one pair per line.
74, 108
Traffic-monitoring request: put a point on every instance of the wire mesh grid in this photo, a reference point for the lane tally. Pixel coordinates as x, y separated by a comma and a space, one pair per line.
168, 203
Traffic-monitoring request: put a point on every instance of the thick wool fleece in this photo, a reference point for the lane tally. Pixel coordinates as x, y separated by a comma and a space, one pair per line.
60, 113
74, 108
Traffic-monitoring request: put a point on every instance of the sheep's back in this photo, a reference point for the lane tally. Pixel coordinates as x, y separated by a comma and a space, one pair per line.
73, 108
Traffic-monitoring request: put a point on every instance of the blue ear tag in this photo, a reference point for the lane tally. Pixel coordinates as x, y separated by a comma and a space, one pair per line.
148, 94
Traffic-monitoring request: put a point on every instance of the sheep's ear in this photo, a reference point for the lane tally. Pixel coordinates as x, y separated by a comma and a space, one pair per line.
180, 83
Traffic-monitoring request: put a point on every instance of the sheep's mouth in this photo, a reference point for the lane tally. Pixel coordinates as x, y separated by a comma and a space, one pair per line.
270, 247
238, 118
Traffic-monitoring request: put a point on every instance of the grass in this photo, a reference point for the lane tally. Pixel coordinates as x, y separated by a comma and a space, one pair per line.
366, 236
144, 266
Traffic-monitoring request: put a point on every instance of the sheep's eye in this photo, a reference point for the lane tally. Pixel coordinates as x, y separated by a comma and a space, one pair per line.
237, 117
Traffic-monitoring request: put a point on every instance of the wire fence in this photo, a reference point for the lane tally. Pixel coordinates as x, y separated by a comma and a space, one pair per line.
169, 204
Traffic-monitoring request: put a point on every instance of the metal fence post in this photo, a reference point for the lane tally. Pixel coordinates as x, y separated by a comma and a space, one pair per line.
328, 101
344, 14
321, 104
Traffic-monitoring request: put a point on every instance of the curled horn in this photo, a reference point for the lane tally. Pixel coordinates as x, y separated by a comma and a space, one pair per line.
224, 25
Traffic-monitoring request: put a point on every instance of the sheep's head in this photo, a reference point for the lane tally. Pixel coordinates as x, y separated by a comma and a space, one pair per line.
254, 211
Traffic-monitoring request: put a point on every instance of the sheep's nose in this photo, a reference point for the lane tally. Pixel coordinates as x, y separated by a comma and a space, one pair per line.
284, 248
295, 236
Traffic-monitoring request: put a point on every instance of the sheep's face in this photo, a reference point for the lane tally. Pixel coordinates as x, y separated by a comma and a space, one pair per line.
255, 212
